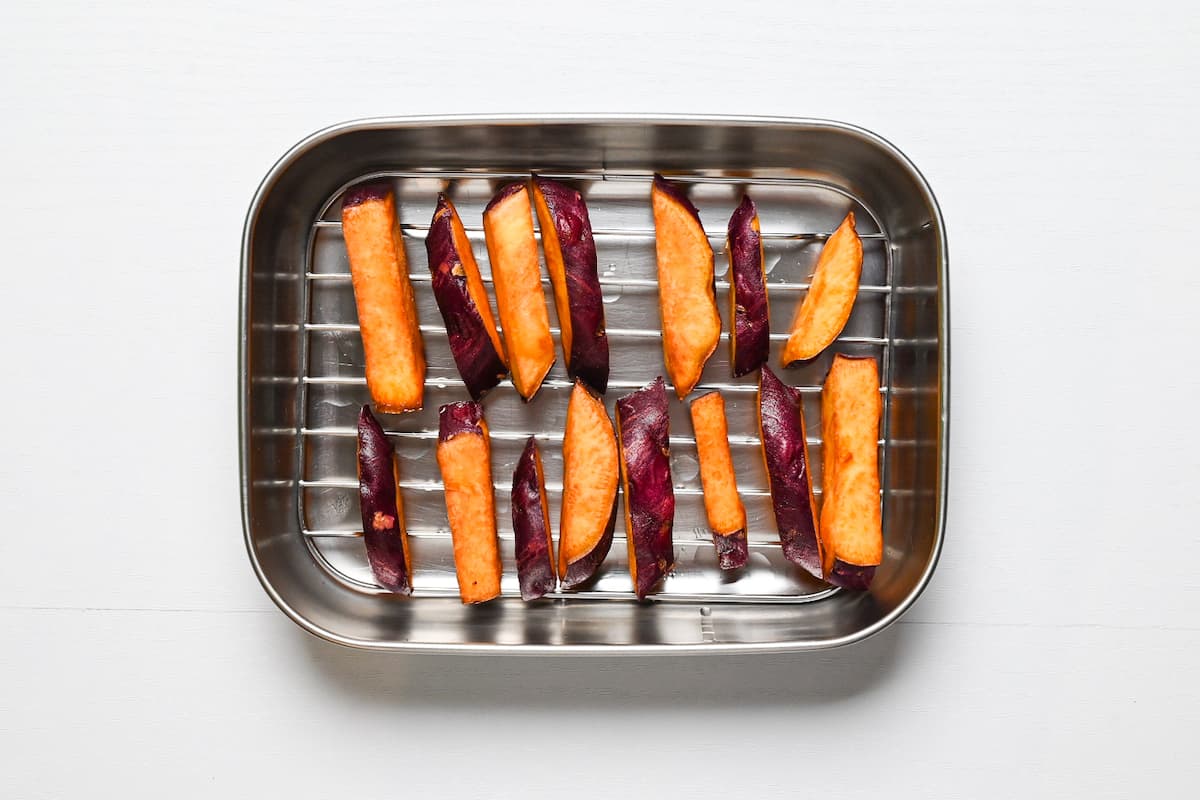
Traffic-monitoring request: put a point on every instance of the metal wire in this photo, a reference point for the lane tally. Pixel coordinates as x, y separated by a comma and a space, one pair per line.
305, 435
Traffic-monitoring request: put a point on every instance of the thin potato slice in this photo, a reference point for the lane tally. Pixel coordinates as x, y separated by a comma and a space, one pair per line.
387, 308
531, 525
824, 311
851, 523
590, 477
464, 457
722, 505
384, 534
643, 432
789, 470
512, 250
571, 261
463, 301
749, 311
687, 302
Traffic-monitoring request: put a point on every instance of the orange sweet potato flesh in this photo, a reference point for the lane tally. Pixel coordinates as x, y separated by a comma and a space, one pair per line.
475, 286
686, 298
557, 269
851, 523
512, 250
826, 307
723, 506
464, 457
387, 310
590, 476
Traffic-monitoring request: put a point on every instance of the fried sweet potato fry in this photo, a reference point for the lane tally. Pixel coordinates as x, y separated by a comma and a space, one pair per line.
851, 522
512, 250
687, 300
722, 505
464, 457
387, 309
826, 307
590, 477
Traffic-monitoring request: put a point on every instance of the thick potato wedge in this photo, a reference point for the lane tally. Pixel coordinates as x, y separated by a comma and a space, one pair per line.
571, 261
726, 514
589, 499
749, 313
531, 525
463, 301
687, 301
851, 522
512, 250
387, 309
822, 314
643, 432
785, 450
464, 457
382, 507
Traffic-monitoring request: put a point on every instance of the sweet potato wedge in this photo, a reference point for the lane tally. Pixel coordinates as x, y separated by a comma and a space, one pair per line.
726, 514
463, 301
589, 499
382, 507
512, 250
824, 310
749, 313
387, 308
785, 451
643, 432
571, 261
464, 457
851, 522
687, 300
531, 525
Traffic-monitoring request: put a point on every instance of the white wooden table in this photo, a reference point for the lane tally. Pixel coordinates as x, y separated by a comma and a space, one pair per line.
1057, 649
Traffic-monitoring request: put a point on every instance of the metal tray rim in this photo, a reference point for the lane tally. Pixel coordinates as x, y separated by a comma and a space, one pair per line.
366, 123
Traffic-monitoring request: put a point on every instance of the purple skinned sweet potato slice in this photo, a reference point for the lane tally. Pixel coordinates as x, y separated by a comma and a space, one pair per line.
464, 458
851, 521
571, 260
826, 307
531, 525
517, 279
785, 451
750, 326
384, 298
691, 326
462, 299
643, 433
384, 533
722, 505
591, 474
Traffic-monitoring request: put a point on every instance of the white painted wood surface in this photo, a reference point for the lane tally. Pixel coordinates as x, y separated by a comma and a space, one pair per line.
1055, 653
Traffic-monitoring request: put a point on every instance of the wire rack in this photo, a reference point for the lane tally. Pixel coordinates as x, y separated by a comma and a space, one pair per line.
797, 215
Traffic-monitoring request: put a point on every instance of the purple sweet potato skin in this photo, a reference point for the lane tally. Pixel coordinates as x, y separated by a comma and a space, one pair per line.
643, 425
464, 416
785, 451
382, 524
584, 569
667, 187
366, 192
478, 362
531, 529
588, 360
732, 549
503, 194
750, 334
850, 576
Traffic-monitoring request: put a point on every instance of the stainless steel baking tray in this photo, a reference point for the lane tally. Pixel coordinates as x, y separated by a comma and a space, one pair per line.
301, 377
